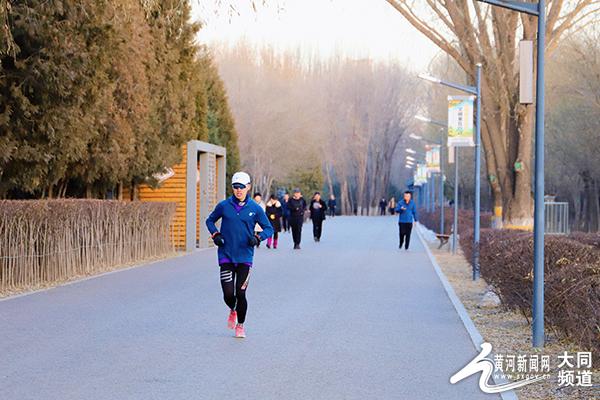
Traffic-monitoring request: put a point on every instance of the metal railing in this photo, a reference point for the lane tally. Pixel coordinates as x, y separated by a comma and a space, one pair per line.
557, 218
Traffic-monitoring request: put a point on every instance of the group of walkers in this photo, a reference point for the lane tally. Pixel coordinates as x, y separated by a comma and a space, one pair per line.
288, 214
389, 206
246, 222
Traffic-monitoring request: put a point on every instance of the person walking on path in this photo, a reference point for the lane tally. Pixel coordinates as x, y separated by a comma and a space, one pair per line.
274, 213
382, 206
407, 215
236, 241
285, 218
297, 206
318, 210
258, 199
331, 204
392, 205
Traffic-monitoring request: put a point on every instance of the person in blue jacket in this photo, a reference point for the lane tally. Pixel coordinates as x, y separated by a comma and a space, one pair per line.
236, 240
407, 215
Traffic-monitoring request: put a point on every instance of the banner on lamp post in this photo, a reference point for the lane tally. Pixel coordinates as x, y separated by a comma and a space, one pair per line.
460, 121
432, 158
421, 175
416, 180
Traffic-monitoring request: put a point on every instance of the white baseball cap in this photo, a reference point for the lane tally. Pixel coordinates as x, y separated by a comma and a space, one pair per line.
240, 177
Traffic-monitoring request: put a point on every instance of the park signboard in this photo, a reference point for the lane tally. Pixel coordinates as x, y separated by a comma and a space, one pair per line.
460, 121
432, 158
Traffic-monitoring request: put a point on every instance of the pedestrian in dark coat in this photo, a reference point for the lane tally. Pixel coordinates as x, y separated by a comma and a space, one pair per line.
285, 218
382, 206
318, 209
274, 213
297, 206
331, 205
392, 205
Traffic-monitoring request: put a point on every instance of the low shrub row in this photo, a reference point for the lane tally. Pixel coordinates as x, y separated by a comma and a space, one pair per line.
45, 241
571, 274
592, 239
465, 220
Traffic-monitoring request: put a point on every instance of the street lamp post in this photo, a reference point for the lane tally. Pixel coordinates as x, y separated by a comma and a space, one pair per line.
425, 204
432, 192
426, 194
537, 9
477, 206
443, 127
476, 91
442, 188
455, 223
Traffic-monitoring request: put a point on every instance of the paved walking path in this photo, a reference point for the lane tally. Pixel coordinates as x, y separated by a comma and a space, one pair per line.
351, 317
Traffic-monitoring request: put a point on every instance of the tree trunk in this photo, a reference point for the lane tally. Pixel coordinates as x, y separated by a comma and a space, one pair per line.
591, 206
580, 219
520, 208
345, 198
329, 180
596, 210
135, 192
63, 189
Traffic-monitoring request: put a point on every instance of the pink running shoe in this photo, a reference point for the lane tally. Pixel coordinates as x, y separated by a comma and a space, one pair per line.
239, 331
232, 320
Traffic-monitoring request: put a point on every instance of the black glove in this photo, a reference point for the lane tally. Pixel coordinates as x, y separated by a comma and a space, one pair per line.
218, 239
254, 241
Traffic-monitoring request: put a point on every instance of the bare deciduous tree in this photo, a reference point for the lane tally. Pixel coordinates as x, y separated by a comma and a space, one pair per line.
574, 129
345, 116
471, 32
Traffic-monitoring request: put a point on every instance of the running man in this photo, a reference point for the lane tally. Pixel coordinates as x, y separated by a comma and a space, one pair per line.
407, 215
236, 241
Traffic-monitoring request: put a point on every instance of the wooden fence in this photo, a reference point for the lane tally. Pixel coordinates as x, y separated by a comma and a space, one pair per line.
45, 241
